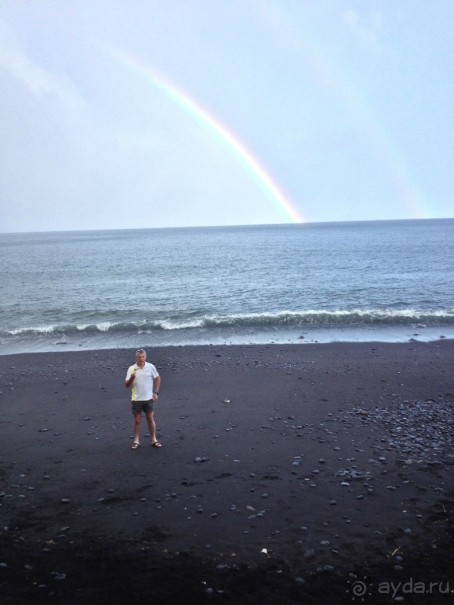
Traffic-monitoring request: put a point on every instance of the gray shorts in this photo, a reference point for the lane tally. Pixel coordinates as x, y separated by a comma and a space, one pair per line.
142, 406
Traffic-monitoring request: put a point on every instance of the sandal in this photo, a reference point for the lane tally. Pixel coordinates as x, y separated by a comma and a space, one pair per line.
134, 446
156, 444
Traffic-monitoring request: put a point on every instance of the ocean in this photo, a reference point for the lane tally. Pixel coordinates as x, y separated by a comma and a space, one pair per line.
361, 281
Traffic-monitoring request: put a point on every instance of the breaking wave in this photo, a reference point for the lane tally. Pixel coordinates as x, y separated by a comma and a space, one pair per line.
305, 319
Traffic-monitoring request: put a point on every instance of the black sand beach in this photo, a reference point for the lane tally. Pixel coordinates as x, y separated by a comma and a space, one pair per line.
288, 474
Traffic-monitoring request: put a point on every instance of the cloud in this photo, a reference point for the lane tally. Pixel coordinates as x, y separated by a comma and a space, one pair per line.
279, 21
38, 81
368, 32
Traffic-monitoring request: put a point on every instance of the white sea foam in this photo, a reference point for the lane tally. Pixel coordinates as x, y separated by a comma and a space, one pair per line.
308, 318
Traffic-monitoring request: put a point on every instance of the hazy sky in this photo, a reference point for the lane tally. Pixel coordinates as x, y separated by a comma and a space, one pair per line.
162, 113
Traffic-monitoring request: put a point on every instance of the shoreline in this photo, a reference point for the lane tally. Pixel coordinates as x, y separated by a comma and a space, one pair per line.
230, 337
282, 472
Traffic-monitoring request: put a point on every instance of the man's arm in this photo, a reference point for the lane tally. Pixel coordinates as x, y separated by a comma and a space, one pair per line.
130, 380
156, 387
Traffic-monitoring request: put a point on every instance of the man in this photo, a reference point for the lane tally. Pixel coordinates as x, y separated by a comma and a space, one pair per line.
145, 381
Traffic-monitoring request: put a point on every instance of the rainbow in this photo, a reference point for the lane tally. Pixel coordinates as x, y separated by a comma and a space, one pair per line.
218, 130
330, 73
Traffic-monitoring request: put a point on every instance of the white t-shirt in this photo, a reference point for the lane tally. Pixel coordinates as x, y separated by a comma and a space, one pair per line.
142, 385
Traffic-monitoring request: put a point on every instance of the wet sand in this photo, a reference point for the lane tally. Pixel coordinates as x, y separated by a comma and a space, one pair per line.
288, 474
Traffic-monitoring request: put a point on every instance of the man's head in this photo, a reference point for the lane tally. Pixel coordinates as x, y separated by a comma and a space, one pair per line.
141, 357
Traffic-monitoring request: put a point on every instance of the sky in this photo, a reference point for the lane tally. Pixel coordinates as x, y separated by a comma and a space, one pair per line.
179, 113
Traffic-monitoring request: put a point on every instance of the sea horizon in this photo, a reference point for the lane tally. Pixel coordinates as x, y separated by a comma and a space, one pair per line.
226, 226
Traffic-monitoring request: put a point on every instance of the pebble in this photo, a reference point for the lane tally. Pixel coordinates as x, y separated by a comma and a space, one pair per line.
222, 566
328, 568
353, 474
421, 431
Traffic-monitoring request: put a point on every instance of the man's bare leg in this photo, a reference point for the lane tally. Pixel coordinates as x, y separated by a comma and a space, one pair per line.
152, 427
136, 429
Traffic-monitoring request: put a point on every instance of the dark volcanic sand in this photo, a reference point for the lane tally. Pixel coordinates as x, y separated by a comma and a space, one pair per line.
288, 474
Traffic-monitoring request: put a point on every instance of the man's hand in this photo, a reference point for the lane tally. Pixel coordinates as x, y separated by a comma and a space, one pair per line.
131, 378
